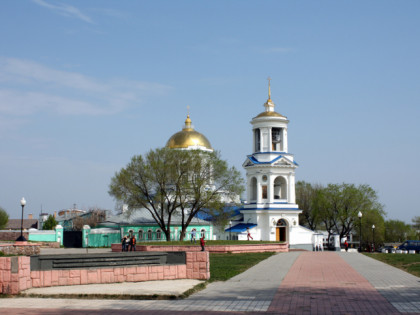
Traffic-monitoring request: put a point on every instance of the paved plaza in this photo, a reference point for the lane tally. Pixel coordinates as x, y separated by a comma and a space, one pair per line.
286, 283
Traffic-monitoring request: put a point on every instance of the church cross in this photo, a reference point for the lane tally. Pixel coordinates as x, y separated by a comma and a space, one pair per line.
269, 88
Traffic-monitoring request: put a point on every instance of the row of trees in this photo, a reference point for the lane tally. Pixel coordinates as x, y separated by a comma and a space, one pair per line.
335, 208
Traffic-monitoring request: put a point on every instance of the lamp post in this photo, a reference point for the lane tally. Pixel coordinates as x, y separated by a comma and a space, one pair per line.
21, 238
373, 237
230, 230
360, 235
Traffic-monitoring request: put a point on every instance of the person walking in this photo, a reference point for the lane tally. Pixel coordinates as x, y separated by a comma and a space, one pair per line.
249, 234
346, 246
123, 241
127, 243
193, 233
132, 243
202, 243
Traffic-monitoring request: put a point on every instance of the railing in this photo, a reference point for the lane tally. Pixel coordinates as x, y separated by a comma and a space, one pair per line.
154, 236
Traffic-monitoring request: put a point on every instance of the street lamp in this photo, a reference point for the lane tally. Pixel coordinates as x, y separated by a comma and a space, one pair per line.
373, 237
230, 230
360, 235
21, 238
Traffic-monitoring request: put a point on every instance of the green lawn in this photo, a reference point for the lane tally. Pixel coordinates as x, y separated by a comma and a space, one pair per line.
226, 266
406, 262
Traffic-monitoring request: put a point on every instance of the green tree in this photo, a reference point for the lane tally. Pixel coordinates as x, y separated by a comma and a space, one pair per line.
416, 227
50, 223
308, 198
4, 218
168, 182
340, 204
370, 235
398, 231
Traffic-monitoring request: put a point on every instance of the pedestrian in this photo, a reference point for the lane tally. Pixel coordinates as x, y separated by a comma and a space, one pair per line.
132, 243
193, 234
202, 243
249, 234
127, 242
346, 246
123, 243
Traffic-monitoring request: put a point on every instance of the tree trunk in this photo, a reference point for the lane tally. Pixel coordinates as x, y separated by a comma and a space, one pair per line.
167, 234
183, 233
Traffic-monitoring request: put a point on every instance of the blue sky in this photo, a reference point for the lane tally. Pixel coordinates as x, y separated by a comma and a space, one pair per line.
85, 85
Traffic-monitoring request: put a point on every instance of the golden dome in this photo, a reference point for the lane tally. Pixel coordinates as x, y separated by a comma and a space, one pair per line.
270, 114
188, 137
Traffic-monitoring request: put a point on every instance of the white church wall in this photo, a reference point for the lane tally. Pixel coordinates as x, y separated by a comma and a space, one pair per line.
301, 238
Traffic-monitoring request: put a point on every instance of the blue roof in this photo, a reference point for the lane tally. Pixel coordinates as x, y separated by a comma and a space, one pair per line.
203, 215
255, 161
240, 227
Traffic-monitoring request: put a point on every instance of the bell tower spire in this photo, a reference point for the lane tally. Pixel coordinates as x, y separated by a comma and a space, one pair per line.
269, 105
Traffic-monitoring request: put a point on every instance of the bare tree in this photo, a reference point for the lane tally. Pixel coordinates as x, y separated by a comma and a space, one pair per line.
170, 182
91, 218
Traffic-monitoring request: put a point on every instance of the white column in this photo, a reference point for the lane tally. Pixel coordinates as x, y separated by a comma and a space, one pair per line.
259, 190
270, 188
292, 189
265, 141
289, 190
285, 144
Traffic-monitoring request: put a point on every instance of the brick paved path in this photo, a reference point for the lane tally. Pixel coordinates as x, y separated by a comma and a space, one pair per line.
323, 283
287, 283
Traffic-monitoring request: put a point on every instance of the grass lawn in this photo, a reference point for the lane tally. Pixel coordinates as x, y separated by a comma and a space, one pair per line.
406, 262
226, 266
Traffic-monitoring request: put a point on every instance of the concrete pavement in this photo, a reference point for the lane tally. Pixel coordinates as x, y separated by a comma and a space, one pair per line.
286, 283
400, 288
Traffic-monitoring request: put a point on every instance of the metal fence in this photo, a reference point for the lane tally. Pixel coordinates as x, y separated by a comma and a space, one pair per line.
159, 236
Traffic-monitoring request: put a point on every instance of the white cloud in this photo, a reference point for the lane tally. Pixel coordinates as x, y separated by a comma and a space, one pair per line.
28, 88
65, 10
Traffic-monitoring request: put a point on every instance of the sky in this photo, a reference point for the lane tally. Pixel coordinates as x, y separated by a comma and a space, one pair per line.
86, 85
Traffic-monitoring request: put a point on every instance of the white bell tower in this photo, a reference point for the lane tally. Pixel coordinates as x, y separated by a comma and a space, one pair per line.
270, 173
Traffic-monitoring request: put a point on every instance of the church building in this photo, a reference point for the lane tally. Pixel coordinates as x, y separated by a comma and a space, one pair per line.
270, 212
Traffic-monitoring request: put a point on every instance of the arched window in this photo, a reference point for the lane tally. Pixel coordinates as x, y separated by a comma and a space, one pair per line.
149, 234
253, 189
131, 232
280, 188
158, 234
140, 235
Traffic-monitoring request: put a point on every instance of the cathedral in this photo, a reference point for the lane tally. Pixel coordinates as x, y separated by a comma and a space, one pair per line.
270, 212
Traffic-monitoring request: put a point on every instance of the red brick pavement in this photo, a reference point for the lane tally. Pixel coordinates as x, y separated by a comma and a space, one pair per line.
323, 283
25, 311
